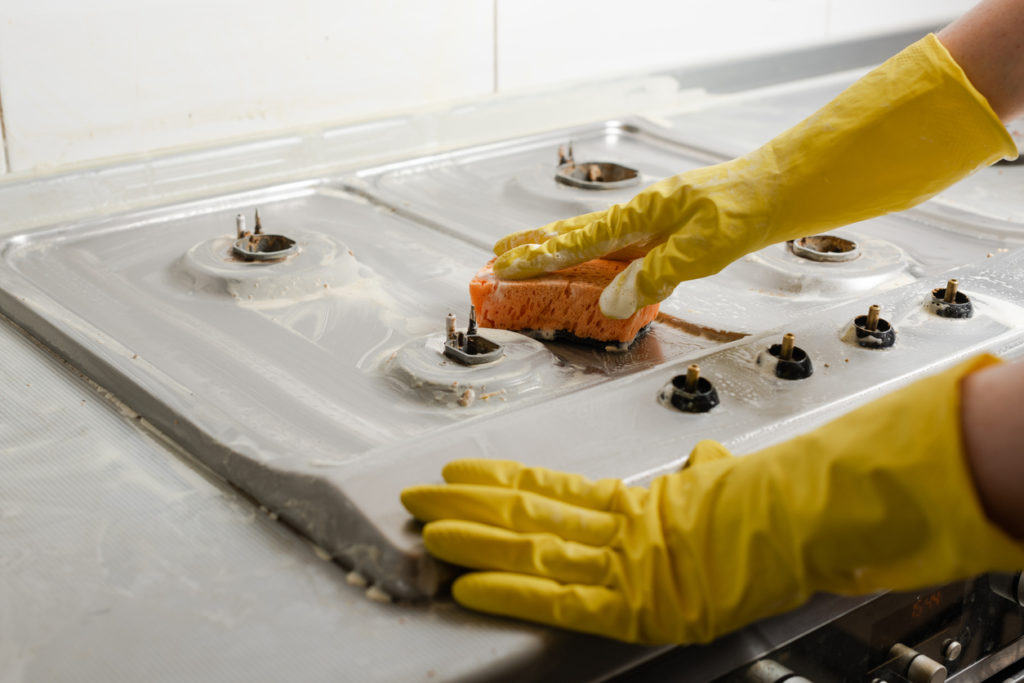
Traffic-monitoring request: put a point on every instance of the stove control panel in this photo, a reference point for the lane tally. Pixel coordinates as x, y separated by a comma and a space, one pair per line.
964, 632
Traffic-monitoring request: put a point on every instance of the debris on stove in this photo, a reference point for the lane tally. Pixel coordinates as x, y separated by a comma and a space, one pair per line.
259, 246
825, 248
872, 331
949, 302
469, 348
593, 175
788, 360
690, 393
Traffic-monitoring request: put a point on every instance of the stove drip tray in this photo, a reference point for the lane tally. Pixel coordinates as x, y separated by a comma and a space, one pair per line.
312, 264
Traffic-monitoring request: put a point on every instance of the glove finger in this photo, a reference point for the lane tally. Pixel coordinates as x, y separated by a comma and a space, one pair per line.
591, 609
707, 451
620, 299
480, 546
510, 509
685, 255
574, 489
544, 233
617, 228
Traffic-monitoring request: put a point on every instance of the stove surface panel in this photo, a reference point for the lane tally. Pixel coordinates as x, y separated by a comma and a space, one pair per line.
484, 193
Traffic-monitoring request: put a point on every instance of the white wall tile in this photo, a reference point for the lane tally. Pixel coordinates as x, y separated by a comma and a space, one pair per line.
858, 18
86, 80
544, 42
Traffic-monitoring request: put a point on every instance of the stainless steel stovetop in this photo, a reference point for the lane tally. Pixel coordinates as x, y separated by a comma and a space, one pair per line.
315, 383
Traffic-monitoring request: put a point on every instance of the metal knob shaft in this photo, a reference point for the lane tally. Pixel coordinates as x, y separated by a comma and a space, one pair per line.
770, 671
918, 668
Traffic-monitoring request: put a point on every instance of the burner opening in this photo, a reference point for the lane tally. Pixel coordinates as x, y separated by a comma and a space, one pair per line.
825, 248
259, 246
469, 348
593, 175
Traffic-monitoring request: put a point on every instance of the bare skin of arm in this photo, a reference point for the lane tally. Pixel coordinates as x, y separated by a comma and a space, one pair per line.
988, 44
992, 417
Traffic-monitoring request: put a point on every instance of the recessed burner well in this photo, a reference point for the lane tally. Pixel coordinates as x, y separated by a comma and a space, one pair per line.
825, 248
594, 175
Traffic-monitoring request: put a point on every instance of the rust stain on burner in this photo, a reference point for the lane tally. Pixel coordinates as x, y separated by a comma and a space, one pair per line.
699, 330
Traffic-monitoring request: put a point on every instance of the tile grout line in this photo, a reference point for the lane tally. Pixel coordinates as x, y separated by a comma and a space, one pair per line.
3, 138
494, 48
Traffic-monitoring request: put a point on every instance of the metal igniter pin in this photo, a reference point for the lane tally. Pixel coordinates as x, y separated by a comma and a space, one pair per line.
692, 377
563, 157
872, 320
258, 230
786, 352
950, 295
240, 229
449, 327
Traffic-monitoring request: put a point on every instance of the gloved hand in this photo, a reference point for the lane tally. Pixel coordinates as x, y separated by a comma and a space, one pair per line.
899, 135
881, 498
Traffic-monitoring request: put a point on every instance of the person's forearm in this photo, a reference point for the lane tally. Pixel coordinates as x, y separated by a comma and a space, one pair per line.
988, 44
992, 416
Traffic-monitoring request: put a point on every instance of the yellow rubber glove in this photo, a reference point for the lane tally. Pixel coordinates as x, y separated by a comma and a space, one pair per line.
881, 498
896, 137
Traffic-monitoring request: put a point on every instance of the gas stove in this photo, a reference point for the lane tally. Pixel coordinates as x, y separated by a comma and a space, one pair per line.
299, 352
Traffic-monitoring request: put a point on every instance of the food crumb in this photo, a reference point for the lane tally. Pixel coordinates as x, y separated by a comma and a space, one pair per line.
988, 255
354, 578
846, 360
467, 397
377, 595
827, 365
321, 553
